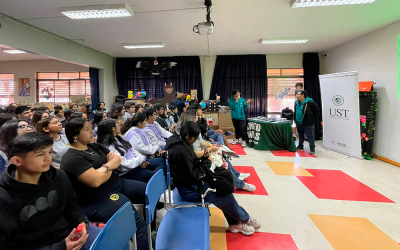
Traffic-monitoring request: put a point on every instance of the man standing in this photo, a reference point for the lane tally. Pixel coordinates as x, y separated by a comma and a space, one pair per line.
304, 111
238, 105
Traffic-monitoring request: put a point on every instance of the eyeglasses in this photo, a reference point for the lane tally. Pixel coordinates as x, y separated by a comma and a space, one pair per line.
25, 127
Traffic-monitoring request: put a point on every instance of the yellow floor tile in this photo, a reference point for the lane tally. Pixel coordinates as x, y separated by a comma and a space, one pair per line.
287, 168
353, 233
217, 229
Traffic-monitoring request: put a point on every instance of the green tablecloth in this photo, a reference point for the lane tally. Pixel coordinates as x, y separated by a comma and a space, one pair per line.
263, 135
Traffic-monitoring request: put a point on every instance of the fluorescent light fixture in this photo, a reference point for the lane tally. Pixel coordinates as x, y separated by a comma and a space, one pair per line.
13, 51
283, 40
316, 3
98, 11
144, 45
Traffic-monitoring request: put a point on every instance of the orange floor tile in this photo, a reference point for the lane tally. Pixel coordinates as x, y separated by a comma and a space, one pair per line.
217, 229
287, 168
345, 233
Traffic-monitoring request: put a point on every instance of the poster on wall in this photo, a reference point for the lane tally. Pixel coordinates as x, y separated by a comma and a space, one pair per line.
24, 87
341, 113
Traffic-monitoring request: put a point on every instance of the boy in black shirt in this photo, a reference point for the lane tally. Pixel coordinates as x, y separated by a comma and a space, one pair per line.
38, 208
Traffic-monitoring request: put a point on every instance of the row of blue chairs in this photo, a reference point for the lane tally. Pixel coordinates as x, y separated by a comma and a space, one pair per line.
186, 226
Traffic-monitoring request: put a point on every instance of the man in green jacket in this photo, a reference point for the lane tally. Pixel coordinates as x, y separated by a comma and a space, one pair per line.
238, 105
304, 111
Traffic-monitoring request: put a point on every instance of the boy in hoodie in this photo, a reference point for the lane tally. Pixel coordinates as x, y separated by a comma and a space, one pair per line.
39, 209
304, 111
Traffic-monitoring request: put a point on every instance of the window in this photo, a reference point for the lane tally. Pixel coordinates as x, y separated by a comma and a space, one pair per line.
58, 87
6, 89
278, 80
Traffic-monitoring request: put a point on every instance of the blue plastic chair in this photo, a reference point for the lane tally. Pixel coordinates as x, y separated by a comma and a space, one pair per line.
181, 228
118, 231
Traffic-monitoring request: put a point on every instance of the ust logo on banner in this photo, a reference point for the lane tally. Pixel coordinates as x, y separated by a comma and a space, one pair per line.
341, 113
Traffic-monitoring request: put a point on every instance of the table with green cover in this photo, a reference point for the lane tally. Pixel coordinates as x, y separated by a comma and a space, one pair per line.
270, 135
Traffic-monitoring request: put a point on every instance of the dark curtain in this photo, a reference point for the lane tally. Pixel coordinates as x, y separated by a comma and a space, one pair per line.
186, 75
94, 84
311, 85
248, 74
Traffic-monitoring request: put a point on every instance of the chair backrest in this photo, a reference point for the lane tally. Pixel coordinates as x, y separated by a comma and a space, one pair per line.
169, 181
118, 230
155, 188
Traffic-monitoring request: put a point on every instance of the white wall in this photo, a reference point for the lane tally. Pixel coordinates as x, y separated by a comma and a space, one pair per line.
28, 69
22, 36
273, 61
376, 57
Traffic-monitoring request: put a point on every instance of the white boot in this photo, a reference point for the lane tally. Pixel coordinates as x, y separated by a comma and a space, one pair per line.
235, 141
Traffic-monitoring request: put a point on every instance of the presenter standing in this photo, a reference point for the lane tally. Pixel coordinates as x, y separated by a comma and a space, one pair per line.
238, 105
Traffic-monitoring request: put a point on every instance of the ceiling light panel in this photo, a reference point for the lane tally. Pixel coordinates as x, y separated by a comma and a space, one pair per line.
144, 45
283, 40
13, 51
316, 3
98, 11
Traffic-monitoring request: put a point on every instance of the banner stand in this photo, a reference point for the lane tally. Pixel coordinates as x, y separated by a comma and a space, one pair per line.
341, 113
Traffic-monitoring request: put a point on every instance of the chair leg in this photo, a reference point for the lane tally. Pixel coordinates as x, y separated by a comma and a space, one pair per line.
208, 208
165, 199
150, 241
169, 195
134, 242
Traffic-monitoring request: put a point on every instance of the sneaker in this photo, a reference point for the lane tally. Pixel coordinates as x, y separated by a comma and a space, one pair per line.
227, 133
254, 223
234, 142
244, 144
243, 176
248, 187
312, 152
236, 156
241, 228
299, 148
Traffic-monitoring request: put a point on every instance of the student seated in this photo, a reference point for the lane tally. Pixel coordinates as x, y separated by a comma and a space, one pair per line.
173, 116
215, 135
137, 137
187, 176
162, 120
117, 112
199, 145
9, 131
24, 113
100, 190
154, 132
53, 127
134, 165
138, 108
37, 116
129, 111
100, 107
44, 211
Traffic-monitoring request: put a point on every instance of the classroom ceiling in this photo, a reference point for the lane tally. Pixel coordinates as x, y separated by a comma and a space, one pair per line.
239, 25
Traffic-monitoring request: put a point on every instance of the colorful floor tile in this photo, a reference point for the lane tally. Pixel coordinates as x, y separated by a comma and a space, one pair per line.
300, 153
238, 149
287, 168
260, 241
217, 229
345, 233
253, 179
337, 185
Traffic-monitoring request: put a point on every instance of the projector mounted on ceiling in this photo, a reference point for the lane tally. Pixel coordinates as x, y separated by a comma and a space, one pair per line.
205, 28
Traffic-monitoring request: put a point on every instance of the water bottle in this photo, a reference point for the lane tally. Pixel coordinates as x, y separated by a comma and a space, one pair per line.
78, 233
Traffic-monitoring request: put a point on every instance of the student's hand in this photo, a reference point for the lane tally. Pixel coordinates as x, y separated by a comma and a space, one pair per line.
102, 170
110, 156
172, 128
159, 153
248, 101
219, 145
76, 245
214, 149
94, 139
144, 164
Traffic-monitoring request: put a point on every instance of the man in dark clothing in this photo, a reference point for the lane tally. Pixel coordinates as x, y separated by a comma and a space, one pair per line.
38, 208
304, 111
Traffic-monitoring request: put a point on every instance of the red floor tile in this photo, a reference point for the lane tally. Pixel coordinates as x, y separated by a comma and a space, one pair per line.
300, 153
337, 185
253, 179
260, 241
238, 149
